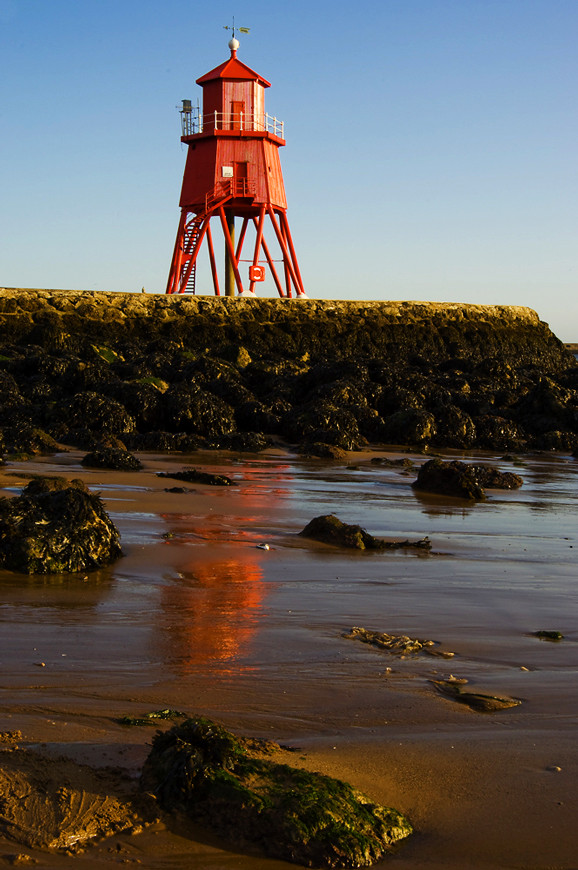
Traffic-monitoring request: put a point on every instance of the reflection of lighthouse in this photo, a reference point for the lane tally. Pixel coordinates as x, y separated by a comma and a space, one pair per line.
212, 610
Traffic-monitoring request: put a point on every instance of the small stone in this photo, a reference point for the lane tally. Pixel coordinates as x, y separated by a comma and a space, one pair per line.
549, 634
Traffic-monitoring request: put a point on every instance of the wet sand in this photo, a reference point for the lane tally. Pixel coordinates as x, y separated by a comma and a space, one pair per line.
196, 617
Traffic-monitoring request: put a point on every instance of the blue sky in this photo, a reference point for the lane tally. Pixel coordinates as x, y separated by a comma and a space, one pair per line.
431, 144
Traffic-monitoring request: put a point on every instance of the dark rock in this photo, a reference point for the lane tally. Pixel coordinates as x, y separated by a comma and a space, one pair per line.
455, 428
56, 526
84, 439
548, 399
27, 439
97, 412
254, 416
224, 782
10, 394
330, 530
142, 400
165, 442
396, 398
449, 478
322, 451
497, 433
548, 634
562, 441
327, 423
191, 475
245, 442
403, 463
413, 426
193, 410
478, 701
493, 478
111, 457
461, 480
178, 489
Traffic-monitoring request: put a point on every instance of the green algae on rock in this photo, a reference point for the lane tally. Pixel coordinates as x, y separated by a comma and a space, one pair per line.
56, 526
223, 781
151, 718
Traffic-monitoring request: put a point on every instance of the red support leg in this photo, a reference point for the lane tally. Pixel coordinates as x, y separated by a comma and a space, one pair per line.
241, 238
230, 249
287, 232
283, 246
213, 261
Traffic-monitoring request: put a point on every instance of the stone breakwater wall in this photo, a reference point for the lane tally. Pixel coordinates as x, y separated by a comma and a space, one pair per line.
293, 329
182, 373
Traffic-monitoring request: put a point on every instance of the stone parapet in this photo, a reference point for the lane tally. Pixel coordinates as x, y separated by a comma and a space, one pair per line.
291, 328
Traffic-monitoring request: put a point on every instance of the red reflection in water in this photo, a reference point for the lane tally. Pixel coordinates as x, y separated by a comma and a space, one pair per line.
212, 610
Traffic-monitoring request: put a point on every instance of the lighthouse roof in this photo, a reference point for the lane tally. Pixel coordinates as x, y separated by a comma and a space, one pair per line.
233, 68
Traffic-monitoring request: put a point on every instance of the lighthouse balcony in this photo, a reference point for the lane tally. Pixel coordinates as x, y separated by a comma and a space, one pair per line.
193, 122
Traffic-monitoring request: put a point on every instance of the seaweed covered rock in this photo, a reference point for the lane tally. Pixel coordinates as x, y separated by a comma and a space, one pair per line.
97, 412
56, 526
323, 421
330, 530
191, 409
498, 433
449, 478
192, 475
493, 478
113, 458
398, 644
28, 439
245, 442
165, 442
223, 781
461, 480
322, 451
411, 426
340, 373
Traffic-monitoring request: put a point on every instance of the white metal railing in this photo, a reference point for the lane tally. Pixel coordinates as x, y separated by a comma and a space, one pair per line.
192, 121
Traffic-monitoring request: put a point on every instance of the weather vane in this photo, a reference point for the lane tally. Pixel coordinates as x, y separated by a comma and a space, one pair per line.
233, 28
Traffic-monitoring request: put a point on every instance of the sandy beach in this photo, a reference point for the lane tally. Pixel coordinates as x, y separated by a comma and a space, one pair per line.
198, 617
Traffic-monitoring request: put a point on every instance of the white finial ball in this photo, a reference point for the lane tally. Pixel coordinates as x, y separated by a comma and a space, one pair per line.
234, 44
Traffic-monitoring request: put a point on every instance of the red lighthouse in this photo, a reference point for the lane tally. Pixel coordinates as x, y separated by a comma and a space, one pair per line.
233, 171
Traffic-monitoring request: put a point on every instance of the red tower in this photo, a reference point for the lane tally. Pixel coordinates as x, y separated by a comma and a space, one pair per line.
233, 170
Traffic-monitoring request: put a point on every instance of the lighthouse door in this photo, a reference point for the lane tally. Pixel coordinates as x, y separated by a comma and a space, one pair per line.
238, 121
240, 179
